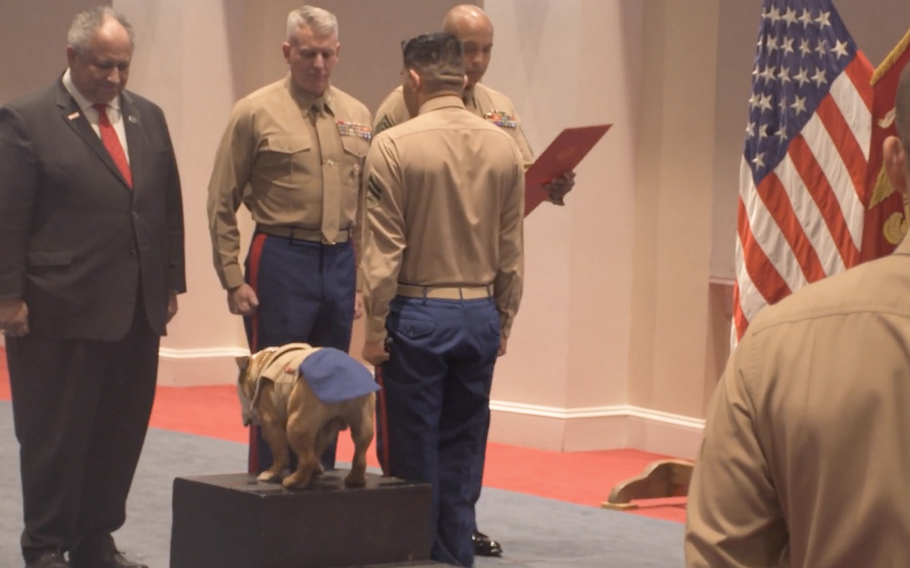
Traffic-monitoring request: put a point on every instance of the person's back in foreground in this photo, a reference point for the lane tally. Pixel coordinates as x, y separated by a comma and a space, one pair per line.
805, 461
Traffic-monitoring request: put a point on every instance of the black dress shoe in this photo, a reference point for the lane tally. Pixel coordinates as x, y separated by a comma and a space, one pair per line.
107, 559
484, 546
49, 559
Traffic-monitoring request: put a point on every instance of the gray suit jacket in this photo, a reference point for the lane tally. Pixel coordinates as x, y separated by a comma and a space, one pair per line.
75, 242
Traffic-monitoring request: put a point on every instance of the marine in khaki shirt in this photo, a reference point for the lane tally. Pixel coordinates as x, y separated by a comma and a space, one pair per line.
806, 455
293, 153
295, 161
475, 30
466, 232
443, 276
487, 103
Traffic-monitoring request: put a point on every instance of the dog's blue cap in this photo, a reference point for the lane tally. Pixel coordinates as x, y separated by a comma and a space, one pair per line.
335, 376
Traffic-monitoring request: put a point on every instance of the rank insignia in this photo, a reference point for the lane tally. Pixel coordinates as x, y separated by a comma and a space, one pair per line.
346, 128
374, 193
383, 124
501, 119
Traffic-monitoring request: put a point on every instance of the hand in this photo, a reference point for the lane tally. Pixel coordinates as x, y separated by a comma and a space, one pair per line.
503, 345
13, 318
242, 300
374, 352
171, 306
358, 305
559, 187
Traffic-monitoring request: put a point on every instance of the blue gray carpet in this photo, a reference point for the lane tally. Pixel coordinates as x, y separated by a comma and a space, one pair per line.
535, 532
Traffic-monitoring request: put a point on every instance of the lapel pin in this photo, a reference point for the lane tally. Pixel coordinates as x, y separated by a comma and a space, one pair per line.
73, 116
133, 119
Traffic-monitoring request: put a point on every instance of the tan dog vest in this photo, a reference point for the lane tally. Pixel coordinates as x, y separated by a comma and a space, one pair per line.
282, 368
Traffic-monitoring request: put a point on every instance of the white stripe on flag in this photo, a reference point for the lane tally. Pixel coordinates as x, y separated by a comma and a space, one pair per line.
822, 146
810, 218
767, 234
855, 111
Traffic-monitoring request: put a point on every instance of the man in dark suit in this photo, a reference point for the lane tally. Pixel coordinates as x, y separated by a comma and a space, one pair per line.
91, 262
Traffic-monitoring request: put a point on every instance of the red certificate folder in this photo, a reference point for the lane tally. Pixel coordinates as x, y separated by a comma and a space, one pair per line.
562, 155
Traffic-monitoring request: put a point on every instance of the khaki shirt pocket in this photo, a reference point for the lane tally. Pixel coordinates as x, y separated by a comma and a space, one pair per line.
280, 156
355, 152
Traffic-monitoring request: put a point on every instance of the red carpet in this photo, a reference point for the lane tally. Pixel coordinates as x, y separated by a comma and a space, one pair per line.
585, 478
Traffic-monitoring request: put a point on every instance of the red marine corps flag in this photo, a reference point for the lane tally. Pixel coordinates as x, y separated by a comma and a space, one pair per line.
886, 210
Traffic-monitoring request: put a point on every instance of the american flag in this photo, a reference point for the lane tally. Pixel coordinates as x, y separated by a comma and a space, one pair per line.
803, 174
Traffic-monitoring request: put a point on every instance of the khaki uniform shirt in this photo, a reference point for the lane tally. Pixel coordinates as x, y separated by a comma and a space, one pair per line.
806, 455
487, 103
445, 201
290, 165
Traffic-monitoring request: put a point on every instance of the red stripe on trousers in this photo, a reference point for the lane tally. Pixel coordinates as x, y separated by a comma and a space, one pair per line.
253, 278
383, 418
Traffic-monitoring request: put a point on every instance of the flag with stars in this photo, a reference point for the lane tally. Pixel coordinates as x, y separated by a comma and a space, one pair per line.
803, 174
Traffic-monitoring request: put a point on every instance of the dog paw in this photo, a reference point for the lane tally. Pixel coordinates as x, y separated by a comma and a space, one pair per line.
353, 480
269, 477
294, 483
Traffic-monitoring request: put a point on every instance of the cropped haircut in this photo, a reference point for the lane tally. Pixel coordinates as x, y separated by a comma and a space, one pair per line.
321, 21
438, 58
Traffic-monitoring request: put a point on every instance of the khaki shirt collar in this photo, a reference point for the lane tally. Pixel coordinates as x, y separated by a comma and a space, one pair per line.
305, 100
904, 247
468, 95
441, 101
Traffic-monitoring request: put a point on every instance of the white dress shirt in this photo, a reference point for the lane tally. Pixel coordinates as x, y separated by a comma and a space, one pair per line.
91, 114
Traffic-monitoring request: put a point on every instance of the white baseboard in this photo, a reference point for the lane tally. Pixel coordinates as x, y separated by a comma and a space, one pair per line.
198, 367
595, 428
527, 425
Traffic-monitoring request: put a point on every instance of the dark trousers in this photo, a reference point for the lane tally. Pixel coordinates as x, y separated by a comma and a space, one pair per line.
436, 388
81, 411
381, 420
306, 295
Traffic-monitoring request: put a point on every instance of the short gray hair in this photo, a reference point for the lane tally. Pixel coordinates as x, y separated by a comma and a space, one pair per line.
85, 24
321, 21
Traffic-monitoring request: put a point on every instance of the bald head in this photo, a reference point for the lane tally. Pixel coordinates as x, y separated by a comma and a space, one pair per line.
466, 18
469, 24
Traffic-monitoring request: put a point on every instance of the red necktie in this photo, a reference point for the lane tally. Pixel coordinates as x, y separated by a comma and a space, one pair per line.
112, 142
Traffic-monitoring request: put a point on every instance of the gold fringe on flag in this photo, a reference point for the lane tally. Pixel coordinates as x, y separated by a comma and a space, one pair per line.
883, 189
892, 57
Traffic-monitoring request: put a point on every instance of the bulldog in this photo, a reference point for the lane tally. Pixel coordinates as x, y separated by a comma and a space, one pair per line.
302, 396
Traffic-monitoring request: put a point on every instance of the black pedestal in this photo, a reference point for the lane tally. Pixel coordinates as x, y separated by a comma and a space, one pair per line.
233, 521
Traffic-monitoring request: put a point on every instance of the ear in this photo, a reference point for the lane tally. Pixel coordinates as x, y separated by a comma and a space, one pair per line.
415, 78
895, 163
71, 55
243, 362
464, 82
286, 50
337, 51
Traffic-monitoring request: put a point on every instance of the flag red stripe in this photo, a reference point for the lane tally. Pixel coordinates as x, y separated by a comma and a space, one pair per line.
860, 72
764, 276
845, 142
820, 189
774, 195
739, 318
